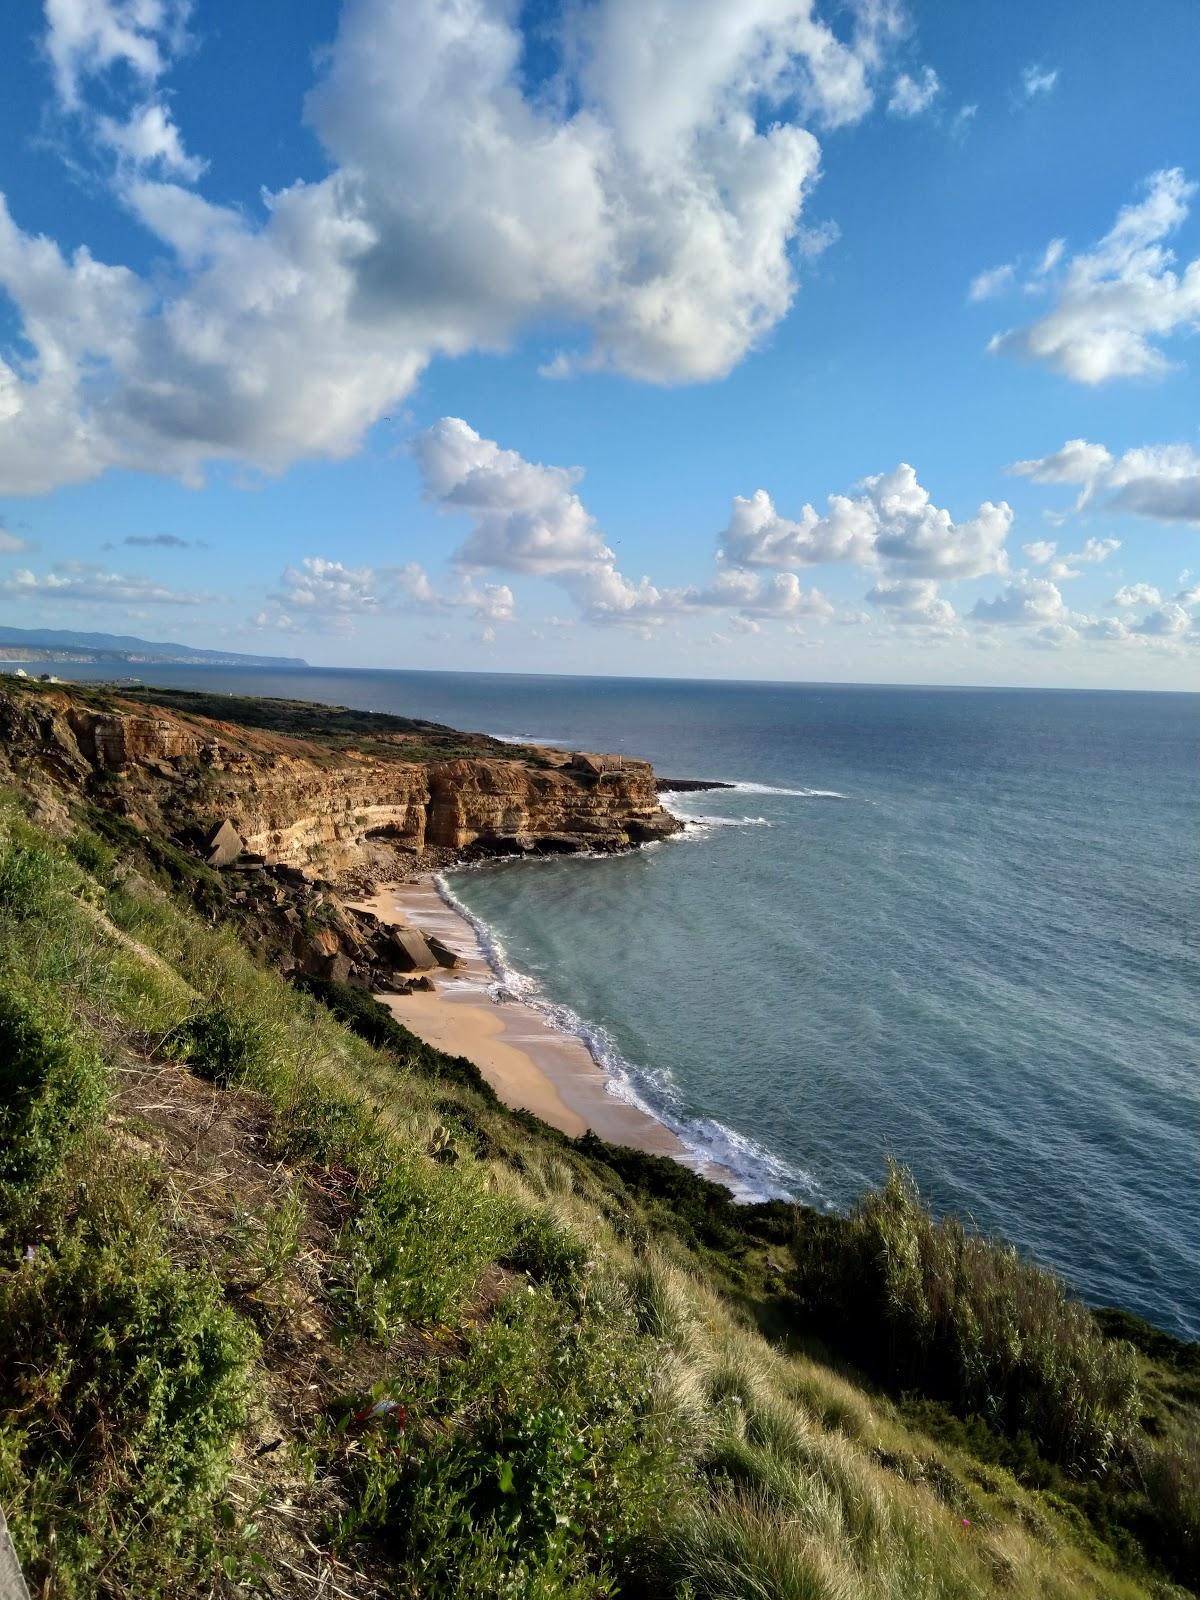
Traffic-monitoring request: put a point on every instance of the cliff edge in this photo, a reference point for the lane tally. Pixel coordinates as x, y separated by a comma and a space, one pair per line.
324, 789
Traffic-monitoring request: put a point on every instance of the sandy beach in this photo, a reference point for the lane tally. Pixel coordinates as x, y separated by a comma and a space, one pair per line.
530, 1064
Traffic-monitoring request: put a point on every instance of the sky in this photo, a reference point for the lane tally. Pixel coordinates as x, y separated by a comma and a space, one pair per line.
839, 340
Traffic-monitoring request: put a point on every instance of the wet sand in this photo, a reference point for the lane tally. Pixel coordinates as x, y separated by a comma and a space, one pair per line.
530, 1064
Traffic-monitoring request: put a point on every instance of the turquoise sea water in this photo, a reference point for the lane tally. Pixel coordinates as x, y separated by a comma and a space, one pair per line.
956, 926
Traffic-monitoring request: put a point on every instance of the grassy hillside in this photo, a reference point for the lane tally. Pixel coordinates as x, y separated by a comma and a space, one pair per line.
289, 1305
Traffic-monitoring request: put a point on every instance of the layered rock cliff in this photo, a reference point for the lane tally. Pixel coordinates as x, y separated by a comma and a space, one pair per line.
326, 807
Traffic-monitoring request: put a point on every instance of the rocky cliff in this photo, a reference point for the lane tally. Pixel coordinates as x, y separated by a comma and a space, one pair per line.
327, 806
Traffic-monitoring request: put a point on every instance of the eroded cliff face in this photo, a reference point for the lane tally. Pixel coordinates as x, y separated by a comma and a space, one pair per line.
295, 802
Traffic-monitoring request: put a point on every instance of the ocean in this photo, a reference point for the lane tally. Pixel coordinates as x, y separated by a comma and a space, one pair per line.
951, 926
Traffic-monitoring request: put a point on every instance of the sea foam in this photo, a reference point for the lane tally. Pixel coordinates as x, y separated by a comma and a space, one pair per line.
757, 1173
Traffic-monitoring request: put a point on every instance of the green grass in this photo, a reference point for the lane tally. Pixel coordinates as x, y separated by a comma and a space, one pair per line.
538, 1363
928, 1306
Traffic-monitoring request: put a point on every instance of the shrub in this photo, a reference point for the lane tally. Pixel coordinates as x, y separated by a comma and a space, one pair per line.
417, 1246
52, 1091
92, 854
33, 872
924, 1304
121, 1383
1171, 1473
539, 1463
550, 1253
220, 1044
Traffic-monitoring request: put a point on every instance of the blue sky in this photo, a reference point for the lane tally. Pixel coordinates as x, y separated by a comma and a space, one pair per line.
409, 333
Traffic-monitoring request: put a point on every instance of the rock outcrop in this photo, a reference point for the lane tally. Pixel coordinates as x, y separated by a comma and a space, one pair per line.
244, 794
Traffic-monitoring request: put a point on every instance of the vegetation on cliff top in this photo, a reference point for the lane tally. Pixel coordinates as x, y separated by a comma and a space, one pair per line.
288, 1301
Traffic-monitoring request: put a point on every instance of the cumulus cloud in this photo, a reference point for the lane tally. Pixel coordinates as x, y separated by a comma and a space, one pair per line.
1157, 481
1024, 601
86, 38
1053, 636
912, 95
1118, 302
1040, 551
913, 602
11, 544
892, 521
1077, 462
1137, 594
323, 588
80, 581
1069, 565
1167, 622
528, 518
1108, 630
650, 194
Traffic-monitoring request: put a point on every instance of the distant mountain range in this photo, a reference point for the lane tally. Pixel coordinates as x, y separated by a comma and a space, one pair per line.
65, 644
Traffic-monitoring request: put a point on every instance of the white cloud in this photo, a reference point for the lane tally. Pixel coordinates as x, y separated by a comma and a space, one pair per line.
1040, 551
783, 596
119, 42
1038, 80
1117, 302
650, 196
150, 139
86, 38
1157, 481
1106, 629
79, 581
1053, 636
323, 587
991, 283
758, 536
913, 95
318, 584
1051, 256
1168, 622
892, 521
1093, 552
528, 518
1077, 462
1024, 601
913, 602
11, 544
1137, 594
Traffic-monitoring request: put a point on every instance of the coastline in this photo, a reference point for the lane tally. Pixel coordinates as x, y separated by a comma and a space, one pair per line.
531, 1064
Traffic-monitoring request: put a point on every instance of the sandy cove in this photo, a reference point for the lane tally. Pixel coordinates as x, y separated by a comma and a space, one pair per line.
532, 1065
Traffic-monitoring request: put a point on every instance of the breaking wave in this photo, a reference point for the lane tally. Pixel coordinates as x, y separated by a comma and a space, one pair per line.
758, 1174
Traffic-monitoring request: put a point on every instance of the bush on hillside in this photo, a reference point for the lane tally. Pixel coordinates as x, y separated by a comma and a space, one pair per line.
220, 1044
418, 1244
923, 1304
121, 1385
52, 1091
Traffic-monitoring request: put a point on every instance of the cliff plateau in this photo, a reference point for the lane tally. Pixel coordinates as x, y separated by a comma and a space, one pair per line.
346, 792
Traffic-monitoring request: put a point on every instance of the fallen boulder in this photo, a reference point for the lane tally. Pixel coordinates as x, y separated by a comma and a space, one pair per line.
409, 950
442, 953
224, 845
